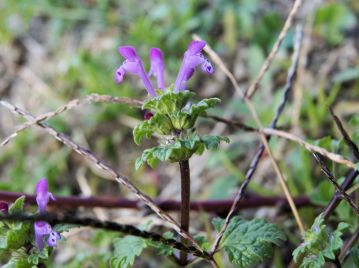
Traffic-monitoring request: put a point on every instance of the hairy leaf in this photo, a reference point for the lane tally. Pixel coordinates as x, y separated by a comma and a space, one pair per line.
248, 243
179, 149
319, 244
17, 206
126, 250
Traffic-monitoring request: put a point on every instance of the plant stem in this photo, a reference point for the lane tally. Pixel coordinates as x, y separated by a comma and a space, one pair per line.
185, 204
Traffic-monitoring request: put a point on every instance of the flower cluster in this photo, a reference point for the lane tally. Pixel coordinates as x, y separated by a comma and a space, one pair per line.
42, 228
133, 64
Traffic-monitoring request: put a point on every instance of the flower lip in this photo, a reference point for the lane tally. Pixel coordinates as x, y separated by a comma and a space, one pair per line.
195, 47
128, 52
157, 66
156, 54
43, 195
42, 186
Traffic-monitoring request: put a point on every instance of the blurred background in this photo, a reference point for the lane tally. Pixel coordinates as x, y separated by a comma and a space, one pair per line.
52, 51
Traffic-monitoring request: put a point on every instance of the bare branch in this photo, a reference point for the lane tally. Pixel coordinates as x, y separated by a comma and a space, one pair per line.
329, 175
352, 146
107, 225
110, 202
71, 105
288, 23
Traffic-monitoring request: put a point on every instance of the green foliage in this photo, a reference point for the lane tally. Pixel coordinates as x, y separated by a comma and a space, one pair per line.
173, 120
13, 235
163, 249
319, 244
248, 243
179, 149
352, 260
172, 113
129, 247
126, 250
332, 19
17, 206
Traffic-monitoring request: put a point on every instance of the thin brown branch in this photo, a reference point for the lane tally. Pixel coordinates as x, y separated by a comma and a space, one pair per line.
329, 175
233, 123
123, 180
334, 202
71, 105
352, 146
212, 206
288, 23
106, 225
310, 147
351, 241
289, 136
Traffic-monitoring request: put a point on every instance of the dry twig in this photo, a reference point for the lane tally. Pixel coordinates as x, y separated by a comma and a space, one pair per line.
288, 23
329, 175
71, 105
107, 225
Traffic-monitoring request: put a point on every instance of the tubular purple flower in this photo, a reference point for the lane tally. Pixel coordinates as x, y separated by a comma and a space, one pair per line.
192, 58
133, 64
43, 195
53, 238
157, 66
43, 229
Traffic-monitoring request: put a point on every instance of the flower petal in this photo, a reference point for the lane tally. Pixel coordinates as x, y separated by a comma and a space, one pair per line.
128, 52
195, 47
53, 238
157, 66
41, 229
42, 195
207, 66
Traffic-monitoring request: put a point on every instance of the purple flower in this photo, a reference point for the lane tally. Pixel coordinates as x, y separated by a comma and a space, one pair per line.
147, 115
157, 66
4, 207
133, 64
43, 229
192, 58
43, 195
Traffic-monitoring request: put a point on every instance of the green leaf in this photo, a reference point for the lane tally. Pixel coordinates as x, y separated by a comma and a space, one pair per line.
357, 166
64, 227
126, 250
17, 206
18, 235
168, 102
179, 149
319, 244
248, 243
163, 249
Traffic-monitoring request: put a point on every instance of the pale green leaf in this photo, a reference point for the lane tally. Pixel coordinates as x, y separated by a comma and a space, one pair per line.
126, 250
248, 243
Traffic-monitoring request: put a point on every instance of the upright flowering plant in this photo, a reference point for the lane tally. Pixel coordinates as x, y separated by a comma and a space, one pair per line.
173, 113
171, 116
42, 229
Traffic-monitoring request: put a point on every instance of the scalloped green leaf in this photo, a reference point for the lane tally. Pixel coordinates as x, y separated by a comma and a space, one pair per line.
158, 123
17, 206
248, 243
168, 102
319, 244
126, 250
179, 149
